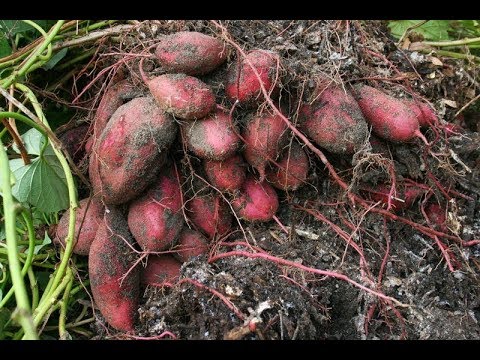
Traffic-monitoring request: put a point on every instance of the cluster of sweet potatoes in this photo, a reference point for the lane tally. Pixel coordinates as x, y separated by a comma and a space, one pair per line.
139, 202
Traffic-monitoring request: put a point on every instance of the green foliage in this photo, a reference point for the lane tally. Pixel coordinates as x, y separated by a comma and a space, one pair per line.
46, 241
5, 48
432, 30
42, 183
50, 64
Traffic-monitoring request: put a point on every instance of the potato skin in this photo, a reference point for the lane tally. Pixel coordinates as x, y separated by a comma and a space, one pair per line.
112, 99
424, 113
335, 121
226, 175
390, 118
155, 219
91, 217
190, 52
212, 137
161, 269
131, 150
243, 85
210, 214
293, 169
183, 96
258, 201
191, 243
265, 136
110, 258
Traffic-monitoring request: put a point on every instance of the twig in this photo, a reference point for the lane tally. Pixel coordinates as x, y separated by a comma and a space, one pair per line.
467, 104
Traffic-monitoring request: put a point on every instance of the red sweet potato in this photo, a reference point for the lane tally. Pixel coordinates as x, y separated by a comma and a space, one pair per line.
292, 171
190, 52
89, 218
131, 150
212, 138
210, 214
436, 214
115, 292
227, 175
183, 96
190, 244
406, 195
424, 113
390, 118
257, 201
115, 96
74, 142
265, 136
161, 269
243, 85
335, 122
89, 145
155, 219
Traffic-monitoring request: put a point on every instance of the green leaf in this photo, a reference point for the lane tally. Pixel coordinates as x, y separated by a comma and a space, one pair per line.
13, 27
46, 241
55, 59
33, 141
2, 232
42, 183
432, 30
5, 48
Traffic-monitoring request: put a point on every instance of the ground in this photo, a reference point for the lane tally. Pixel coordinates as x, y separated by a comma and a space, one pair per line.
238, 297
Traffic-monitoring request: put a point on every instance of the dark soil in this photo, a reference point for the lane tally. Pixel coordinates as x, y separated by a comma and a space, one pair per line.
280, 302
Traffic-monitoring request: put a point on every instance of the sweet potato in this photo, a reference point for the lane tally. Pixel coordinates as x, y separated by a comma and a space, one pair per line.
89, 218
131, 150
257, 201
212, 138
74, 142
190, 244
190, 52
292, 171
227, 175
265, 136
89, 145
161, 269
243, 85
155, 219
115, 96
210, 214
183, 96
390, 118
406, 195
115, 292
436, 214
336, 122
424, 113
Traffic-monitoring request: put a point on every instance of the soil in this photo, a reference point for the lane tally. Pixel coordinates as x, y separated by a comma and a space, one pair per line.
237, 297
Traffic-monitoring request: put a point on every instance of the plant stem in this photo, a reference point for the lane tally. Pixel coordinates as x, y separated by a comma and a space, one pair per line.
64, 306
44, 34
34, 55
24, 119
457, 55
33, 288
452, 42
9, 209
60, 273
30, 254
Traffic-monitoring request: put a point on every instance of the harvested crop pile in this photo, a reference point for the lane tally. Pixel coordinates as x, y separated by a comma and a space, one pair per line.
268, 183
